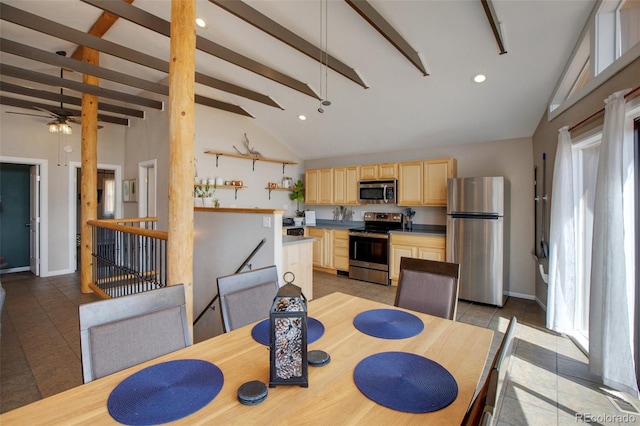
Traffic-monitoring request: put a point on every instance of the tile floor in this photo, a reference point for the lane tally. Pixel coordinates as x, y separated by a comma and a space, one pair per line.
548, 382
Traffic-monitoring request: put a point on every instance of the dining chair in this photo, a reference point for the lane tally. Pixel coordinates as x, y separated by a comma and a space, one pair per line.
488, 397
121, 332
246, 297
428, 286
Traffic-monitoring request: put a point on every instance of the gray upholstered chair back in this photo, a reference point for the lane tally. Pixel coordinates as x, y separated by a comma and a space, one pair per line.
488, 399
428, 286
121, 332
246, 297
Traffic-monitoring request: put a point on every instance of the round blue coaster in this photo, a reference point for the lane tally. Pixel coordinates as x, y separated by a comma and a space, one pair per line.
405, 382
165, 392
388, 323
260, 331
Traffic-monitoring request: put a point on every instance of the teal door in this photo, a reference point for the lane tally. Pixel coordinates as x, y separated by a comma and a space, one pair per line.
14, 216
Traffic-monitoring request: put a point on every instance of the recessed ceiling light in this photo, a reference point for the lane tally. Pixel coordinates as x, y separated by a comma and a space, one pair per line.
479, 78
201, 23
302, 117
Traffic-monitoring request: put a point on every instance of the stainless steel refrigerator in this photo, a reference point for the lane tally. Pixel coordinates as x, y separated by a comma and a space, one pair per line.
476, 237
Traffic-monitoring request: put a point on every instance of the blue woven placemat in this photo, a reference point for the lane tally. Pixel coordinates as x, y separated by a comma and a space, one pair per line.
260, 331
388, 323
405, 382
165, 392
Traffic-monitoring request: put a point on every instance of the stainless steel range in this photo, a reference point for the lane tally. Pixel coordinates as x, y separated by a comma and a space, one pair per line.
369, 247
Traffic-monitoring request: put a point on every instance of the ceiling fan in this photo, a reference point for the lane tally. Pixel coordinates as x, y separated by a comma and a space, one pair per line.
60, 119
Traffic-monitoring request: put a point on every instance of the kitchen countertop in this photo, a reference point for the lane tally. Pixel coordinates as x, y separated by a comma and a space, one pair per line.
418, 229
288, 240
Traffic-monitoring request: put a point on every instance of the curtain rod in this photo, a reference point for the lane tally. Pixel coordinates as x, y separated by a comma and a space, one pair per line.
600, 111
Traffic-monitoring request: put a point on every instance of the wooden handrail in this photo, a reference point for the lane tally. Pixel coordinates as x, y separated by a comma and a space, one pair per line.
115, 225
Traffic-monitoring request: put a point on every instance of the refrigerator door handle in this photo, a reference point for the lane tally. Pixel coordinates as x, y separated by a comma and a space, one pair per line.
459, 215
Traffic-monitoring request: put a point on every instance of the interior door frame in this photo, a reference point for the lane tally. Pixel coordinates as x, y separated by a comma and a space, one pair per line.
44, 207
73, 212
143, 186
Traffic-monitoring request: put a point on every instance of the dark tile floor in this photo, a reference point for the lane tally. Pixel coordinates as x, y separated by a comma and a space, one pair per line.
548, 384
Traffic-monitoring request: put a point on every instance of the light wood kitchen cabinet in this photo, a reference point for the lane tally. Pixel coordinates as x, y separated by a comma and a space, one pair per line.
318, 186
322, 248
424, 183
341, 249
311, 180
410, 183
298, 258
379, 171
430, 247
435, 175
345, 185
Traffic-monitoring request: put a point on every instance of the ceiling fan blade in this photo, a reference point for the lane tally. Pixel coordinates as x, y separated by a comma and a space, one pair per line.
52, 114
24, 113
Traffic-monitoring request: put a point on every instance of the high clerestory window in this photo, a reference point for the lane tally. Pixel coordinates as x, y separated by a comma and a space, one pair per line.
609, 41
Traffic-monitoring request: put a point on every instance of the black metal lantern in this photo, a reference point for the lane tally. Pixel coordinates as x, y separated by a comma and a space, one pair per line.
288, 338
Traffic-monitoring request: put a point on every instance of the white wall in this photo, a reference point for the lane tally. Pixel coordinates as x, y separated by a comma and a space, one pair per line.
222, 241
512, 159
27, 137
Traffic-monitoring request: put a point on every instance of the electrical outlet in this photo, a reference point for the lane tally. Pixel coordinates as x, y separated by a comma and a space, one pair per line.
266, 222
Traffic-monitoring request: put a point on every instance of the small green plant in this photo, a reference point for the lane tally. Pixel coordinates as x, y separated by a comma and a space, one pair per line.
205, 191
297, 195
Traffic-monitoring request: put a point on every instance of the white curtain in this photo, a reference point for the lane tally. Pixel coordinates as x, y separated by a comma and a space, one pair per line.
611, 311
561, 298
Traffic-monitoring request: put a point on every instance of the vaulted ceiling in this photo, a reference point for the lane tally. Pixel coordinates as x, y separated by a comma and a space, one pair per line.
399, 73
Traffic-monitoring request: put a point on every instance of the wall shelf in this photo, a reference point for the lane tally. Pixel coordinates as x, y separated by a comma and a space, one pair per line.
236, 187
278, 188
252, 158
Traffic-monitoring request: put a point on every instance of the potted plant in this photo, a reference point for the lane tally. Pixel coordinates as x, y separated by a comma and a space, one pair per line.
207, 197
297, 195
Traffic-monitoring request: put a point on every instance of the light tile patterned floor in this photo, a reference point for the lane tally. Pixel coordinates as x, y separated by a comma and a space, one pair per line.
548, 382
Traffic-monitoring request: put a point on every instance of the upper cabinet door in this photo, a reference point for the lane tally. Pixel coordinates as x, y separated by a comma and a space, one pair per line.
388, 171
311, 195
436, 173
410, 183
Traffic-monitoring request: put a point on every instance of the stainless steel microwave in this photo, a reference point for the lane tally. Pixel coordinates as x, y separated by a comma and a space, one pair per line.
377, 191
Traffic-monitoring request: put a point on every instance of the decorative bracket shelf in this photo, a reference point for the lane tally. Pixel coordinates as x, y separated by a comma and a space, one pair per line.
249, 157
279, 188
236, 187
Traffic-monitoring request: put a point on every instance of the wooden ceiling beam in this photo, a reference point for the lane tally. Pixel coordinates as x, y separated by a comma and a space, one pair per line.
495, 24
269, 26
160, 26
26, 104
50, 80
37, 23
376, 20
29, 52
61, 98
99, 29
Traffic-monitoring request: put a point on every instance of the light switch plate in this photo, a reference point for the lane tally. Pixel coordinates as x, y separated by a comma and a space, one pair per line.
266, 222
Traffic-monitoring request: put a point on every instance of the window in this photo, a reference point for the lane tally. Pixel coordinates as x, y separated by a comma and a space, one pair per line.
610, 41
586, 153
109, 197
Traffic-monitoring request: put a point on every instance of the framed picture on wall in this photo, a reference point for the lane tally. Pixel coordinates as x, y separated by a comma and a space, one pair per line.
130, 190
133, 190
126, 191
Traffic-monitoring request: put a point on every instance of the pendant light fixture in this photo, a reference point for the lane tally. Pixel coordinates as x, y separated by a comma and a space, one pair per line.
324, 55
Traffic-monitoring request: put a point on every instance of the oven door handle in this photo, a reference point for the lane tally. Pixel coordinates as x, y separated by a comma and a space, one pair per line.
369, 235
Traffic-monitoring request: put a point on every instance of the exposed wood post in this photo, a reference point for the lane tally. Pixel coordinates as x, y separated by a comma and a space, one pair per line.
181, 150
89, 171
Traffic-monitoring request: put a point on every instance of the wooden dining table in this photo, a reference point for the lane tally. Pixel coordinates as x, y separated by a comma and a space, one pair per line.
331, 397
